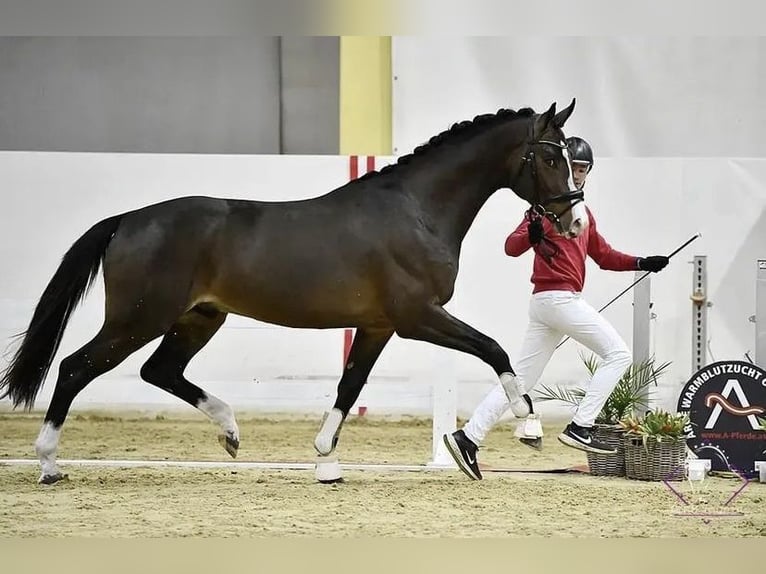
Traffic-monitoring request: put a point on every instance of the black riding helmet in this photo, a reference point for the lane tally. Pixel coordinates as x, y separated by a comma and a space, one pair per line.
580, 151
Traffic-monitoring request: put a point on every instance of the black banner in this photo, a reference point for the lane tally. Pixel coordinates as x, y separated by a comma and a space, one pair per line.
726, 403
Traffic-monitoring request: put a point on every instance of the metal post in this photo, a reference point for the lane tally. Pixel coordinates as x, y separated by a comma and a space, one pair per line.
444, 389
760, 314
699, 313
642, 316
445, 417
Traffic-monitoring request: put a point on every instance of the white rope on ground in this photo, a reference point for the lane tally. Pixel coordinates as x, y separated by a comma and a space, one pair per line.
216, 464
262, 465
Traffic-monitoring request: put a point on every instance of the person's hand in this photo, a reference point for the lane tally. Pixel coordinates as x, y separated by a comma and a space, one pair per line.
653, 263
535, 231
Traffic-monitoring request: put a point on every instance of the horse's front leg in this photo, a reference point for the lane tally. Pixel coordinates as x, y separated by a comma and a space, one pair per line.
365, 350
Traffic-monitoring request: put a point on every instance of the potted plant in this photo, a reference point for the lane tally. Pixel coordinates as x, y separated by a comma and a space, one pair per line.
655, 445
630, 395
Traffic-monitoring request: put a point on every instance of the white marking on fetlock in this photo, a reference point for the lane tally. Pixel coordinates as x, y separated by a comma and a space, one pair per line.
514, 391
325, 441
46, 447
529, 427
222, 413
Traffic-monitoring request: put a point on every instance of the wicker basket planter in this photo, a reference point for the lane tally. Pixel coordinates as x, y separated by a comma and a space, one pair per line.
608, 464
654, 460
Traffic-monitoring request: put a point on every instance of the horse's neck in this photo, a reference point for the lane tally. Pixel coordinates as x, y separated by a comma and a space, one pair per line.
453, 191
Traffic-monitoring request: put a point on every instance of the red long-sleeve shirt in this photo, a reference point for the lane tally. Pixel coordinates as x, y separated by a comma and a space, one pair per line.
566, 271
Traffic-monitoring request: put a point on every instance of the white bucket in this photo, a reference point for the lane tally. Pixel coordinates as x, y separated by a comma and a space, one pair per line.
696, 469
760, 466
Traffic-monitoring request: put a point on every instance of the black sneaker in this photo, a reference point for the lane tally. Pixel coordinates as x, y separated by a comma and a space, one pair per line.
463, 450
580, 438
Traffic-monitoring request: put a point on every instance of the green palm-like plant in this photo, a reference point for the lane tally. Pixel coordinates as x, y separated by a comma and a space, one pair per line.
659, 424
630, 394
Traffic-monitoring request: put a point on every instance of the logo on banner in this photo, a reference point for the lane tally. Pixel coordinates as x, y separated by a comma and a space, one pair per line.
726, 402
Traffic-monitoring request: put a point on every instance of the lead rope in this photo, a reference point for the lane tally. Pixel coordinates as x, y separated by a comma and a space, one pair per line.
547, 249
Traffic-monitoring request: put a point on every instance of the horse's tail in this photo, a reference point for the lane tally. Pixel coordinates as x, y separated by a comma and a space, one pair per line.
24, 376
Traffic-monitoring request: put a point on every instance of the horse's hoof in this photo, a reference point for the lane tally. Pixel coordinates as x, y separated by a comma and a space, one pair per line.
535, 443
229, 443
333, 481
52, 478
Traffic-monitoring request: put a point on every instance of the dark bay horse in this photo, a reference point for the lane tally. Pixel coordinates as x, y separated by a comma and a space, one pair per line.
379, 254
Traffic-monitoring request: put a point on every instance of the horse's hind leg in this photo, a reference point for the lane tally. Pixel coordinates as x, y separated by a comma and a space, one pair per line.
365, 350
434, 324
165, 368
113, 343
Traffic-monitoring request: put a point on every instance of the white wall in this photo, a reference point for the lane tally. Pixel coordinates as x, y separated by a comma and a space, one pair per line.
637, 96
643, 205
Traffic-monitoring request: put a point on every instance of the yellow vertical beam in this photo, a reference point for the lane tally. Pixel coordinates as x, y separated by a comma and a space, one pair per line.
365, 95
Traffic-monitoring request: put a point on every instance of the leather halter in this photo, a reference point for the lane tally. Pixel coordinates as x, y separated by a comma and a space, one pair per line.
538, 207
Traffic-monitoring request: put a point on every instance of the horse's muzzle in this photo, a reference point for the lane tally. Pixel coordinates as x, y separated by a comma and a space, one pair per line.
576, 228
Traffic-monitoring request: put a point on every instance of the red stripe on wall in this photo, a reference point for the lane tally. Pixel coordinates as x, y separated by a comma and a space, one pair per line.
353, 173
348, 336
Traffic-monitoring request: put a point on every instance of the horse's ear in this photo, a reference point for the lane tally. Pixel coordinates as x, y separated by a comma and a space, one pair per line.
563, 115
543, 120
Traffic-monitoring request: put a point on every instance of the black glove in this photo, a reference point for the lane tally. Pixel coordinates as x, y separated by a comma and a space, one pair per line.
654, 263
535, 231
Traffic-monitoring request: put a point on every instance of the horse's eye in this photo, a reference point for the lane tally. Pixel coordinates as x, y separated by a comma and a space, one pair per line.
550, 162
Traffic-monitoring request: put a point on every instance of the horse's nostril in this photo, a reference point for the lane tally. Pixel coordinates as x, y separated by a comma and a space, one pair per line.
576, 228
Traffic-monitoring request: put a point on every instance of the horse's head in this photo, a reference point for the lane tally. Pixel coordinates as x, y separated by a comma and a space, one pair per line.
542, 173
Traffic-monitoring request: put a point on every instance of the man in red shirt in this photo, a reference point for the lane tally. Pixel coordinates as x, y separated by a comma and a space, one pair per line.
556, 309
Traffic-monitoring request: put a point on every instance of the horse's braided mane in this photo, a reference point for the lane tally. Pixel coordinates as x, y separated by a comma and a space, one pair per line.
458, 131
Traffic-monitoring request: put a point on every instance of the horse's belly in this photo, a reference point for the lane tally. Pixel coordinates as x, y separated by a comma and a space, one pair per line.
295, 305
